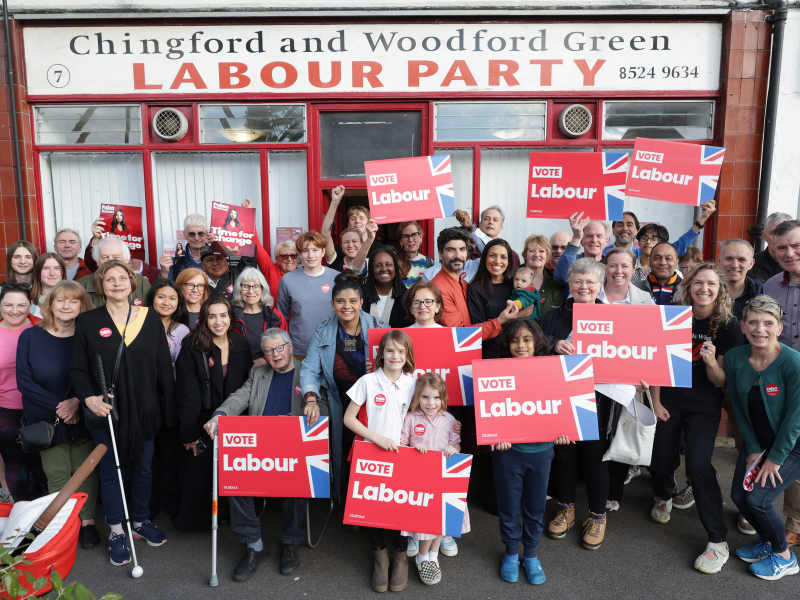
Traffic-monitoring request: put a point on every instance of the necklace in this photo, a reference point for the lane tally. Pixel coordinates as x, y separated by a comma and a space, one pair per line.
350, 344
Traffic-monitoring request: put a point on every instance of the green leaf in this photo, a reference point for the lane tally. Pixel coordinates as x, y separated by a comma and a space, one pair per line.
29, 577
40, 583
56, 581
112, 596
82, 592
11, 583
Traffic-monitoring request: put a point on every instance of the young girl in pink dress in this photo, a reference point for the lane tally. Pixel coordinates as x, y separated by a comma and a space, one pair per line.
428, 426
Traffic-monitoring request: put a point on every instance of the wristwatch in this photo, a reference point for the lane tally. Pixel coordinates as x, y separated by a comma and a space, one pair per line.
699, 225
473, 227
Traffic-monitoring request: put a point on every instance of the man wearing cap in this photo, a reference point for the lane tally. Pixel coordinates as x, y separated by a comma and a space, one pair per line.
215, 265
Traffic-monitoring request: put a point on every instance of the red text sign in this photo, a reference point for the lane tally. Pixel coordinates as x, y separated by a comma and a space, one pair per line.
234, 227
126, 222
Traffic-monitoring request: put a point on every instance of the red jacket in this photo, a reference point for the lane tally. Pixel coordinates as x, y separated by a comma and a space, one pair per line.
83, 270
148, 272
456, 313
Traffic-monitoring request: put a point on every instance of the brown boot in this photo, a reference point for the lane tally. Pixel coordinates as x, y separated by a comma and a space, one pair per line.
399, 579
380, 575
565, 519
594, 531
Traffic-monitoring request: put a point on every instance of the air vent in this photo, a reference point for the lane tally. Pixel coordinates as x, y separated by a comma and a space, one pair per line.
170, 124
575, 120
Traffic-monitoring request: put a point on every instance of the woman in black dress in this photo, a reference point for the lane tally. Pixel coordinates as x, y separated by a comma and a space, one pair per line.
491, 289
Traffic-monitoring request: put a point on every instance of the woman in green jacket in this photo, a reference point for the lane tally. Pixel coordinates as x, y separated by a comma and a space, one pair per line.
764, 380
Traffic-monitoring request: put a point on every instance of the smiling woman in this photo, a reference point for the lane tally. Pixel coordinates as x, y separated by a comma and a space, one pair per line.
491, 289
384, 288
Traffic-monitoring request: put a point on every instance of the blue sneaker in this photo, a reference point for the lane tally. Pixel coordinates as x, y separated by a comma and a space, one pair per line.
150, 534
775, 566
117, 550
534, 571
754, 552
448, 547
413, 546
509, 569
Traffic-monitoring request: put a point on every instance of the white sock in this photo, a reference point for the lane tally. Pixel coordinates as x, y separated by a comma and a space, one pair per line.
434, 556
137, 524
421, 558
117, 529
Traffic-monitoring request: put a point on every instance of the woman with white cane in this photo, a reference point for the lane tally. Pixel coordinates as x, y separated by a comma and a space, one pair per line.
138, 373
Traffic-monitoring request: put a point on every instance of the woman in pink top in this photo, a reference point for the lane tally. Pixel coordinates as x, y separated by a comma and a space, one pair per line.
15, 304
428, 426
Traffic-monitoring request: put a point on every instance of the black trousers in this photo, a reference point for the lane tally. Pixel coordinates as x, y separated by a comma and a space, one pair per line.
377, 539
699, 422
246, 525
586, 459
617, 474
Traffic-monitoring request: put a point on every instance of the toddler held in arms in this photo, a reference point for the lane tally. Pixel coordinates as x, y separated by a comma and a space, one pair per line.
524, 293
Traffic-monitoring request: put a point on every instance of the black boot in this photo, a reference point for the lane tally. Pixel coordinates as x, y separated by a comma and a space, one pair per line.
289, 559
249, 563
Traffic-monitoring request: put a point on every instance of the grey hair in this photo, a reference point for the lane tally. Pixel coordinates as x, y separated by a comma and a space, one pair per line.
288, 243
498, 209
252, 274
126, 252
606, 225
726, 243
75, 232
195, 220
274, 332
777, 218
587, 266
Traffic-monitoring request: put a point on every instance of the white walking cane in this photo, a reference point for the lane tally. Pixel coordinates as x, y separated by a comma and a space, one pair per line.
214, 582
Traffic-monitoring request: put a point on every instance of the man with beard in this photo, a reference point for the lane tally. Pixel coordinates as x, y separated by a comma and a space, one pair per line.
624, 231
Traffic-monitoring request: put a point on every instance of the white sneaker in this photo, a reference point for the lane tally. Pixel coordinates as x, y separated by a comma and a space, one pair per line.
661, 516
612, 505
413, 546
721, 553
448, 547
633, 472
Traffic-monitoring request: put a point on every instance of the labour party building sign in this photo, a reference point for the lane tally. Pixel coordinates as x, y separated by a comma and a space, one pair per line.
563, 183
634, 343
425, 493
273, 456
537, 399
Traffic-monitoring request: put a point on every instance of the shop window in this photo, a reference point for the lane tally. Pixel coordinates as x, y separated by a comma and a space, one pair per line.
75, 184
673, 120
348, 139
253, 123
461, 168
187, 182
288, 195
490, 121
504, 182
68, 125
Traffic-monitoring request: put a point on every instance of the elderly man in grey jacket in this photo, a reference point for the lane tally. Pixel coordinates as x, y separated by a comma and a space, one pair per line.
272, 390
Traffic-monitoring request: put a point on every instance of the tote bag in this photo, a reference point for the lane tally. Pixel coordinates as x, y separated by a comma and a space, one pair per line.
633, 441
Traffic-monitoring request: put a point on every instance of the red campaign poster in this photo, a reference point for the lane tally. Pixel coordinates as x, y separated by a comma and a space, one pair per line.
406, 490
273, 456
674, 171
612, 334
126, 222
448, 351
407, 189
563, 183
234, 227
521, 400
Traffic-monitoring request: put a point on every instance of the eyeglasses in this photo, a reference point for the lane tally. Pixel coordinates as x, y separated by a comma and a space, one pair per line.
256, 287
756, 304
411, 236
290, 256
16, 286
195, 286
645, 238
271, 351
418, 303
195, 234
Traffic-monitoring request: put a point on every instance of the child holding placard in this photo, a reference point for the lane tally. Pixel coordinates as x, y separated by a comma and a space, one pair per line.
428, 426
385, 396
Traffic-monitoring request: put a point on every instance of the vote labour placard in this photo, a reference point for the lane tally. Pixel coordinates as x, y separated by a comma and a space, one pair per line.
634, 343
674, 171
273, 456
563, 183
406, 490
126, 222
234, 227
448, 351
521, 400
407, 189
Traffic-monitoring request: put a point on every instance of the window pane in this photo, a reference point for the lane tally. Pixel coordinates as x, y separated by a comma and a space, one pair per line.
461, 167
349, 139
658, 120
490, 121
288, 193
187, 182
254, 123
504, 182
88, 125
75, 184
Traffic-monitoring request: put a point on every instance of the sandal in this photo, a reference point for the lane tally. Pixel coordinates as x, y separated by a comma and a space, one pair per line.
661, 516
722, 554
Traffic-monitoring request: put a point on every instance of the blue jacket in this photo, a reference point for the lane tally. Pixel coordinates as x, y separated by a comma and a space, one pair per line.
753, 287
317, 372
681, 244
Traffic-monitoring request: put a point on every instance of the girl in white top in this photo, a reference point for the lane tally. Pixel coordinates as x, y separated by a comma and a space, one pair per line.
386, 396
423, 302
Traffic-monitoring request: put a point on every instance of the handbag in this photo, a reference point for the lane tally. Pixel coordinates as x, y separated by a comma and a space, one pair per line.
92, 420
38, 436
632, 443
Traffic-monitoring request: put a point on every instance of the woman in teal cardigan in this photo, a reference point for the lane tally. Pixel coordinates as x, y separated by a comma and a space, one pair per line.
764, 381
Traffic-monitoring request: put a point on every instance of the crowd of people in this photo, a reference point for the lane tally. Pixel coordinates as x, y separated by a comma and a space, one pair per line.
197, 337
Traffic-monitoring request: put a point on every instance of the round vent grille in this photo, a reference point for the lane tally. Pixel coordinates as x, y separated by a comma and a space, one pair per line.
170, 124
575, 120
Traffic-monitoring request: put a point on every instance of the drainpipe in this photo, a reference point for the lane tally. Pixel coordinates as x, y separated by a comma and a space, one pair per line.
778, 20
15, 129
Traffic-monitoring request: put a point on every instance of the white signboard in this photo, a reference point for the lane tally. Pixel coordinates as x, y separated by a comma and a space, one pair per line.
411, 58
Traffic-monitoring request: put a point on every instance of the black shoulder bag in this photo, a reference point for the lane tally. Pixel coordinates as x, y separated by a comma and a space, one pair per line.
39, 436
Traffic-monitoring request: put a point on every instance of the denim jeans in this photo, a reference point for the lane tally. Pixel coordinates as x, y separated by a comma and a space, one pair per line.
141, 482
756, 506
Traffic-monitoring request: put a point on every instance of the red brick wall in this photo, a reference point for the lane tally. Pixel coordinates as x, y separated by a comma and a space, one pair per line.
10, 222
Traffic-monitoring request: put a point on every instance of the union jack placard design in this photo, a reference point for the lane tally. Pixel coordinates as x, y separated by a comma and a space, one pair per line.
440, 165
274, 456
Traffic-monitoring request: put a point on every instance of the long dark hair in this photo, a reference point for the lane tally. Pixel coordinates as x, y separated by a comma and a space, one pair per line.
181, 315
540, 344
11, 276
114, 220
370, 289
229, 218
482, 278
402, 258
201, 334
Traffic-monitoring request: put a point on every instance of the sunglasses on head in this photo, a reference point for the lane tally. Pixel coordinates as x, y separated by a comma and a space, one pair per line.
16, 286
